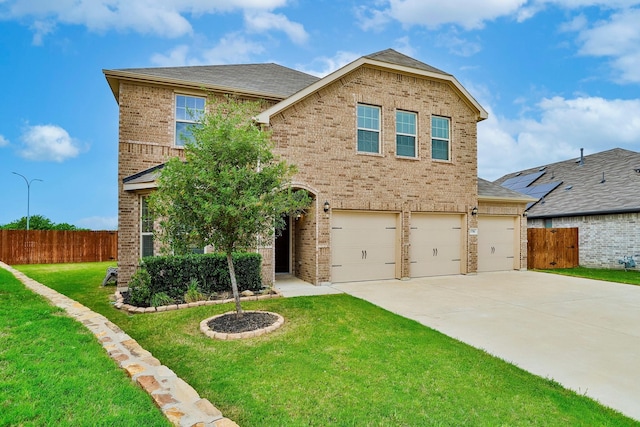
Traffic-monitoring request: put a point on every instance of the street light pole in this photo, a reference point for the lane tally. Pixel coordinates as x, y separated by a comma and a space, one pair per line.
28, 192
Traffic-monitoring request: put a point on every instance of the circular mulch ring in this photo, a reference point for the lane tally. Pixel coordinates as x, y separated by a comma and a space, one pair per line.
228, 326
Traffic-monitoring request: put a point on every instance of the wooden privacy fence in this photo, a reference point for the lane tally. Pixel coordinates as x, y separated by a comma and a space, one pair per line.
54, 246
549, 248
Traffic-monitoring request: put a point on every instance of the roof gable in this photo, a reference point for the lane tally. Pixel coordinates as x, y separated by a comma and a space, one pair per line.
600, 183
387, 59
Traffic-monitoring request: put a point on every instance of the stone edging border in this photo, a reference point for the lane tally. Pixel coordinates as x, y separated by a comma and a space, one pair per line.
178, 401
133, 309
205, 329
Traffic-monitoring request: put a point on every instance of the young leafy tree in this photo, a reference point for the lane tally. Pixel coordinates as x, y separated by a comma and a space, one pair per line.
230, 191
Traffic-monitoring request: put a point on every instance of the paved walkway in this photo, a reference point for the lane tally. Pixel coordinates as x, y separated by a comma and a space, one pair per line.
583, 333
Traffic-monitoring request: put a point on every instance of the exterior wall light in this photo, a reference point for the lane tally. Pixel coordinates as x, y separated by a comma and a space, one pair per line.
474, 211
326, 206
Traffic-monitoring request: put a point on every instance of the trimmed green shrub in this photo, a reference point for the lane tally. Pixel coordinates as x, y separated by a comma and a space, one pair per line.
173, 274
139, 288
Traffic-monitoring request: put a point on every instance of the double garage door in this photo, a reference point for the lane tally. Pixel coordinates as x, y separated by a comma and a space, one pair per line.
365, 245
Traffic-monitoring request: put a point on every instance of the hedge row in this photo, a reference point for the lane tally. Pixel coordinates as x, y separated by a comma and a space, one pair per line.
172, 274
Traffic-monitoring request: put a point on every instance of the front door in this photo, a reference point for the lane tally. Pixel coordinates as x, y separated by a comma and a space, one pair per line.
283, 249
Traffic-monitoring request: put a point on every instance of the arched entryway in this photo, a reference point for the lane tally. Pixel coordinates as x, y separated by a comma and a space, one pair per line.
295, 247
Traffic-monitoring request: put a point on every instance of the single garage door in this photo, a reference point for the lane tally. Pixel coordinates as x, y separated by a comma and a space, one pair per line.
496, 243
363, 246
436, 244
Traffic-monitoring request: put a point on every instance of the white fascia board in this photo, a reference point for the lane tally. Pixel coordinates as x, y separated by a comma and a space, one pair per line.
506, 199
265, 116
140, 186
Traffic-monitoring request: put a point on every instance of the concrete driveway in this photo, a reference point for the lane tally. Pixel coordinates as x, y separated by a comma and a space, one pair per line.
583, 333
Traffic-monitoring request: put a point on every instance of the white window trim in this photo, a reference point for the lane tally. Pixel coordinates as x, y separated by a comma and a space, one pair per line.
415, 136
370, 153
176, 143
448, 159
142, 232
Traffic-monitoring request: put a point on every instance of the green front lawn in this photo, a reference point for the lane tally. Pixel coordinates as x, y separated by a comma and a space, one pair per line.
53, 371
337, 361
631, 277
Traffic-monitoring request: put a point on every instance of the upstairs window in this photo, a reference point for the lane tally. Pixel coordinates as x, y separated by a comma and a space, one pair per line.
146, 229
440, 140
368, 129
406, 134
189, 111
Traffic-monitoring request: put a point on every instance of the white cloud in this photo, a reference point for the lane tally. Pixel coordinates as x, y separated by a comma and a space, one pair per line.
48, 143
3, 141
166, 18
233, 48
262, 21
468, 14
563, 127
617, 38
98, 223
324, 65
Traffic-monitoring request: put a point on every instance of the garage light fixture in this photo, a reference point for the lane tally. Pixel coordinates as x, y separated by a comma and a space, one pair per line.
326, 206
474, 211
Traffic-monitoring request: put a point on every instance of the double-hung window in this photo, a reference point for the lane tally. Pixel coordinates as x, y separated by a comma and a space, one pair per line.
189, 111
440, 138
146, 229
368, 129
406, 134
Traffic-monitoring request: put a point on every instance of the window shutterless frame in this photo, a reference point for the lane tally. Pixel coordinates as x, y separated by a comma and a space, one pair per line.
440, 138
189, 110
368, 140
406, 134
146, 228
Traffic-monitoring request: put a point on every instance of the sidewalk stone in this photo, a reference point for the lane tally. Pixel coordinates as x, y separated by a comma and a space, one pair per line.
179, 402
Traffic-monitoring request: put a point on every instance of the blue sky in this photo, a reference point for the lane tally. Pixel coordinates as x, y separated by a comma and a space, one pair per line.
554, 75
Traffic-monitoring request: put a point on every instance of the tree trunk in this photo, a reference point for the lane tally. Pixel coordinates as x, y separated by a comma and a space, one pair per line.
234, 284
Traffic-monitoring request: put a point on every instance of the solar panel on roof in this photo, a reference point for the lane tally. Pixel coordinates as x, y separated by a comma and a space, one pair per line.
517, 183
539, 191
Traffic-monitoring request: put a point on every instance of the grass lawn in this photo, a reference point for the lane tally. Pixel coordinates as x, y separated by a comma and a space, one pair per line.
337, 361
53, 371
631, 277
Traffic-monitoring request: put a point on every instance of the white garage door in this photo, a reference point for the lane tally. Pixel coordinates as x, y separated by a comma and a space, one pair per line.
363, 246
496, 243
436, 244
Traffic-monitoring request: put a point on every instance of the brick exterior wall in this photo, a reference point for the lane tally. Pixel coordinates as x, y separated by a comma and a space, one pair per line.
318, 135
603, 239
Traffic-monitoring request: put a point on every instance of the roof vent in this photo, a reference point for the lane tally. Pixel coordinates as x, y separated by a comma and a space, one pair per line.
568, 187
542, 168
637, 170
603, 180
520, 173
581, 161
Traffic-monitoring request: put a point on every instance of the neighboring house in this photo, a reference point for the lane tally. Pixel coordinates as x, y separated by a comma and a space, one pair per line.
386, 146
599, 194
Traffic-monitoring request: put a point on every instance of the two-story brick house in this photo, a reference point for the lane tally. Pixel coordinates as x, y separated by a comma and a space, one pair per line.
386, 146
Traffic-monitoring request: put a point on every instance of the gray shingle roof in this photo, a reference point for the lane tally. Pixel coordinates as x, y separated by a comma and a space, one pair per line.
490, 190
582, 190
272, 79
393, 57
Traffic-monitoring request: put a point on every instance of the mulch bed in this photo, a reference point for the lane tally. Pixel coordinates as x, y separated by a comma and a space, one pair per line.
231, 323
